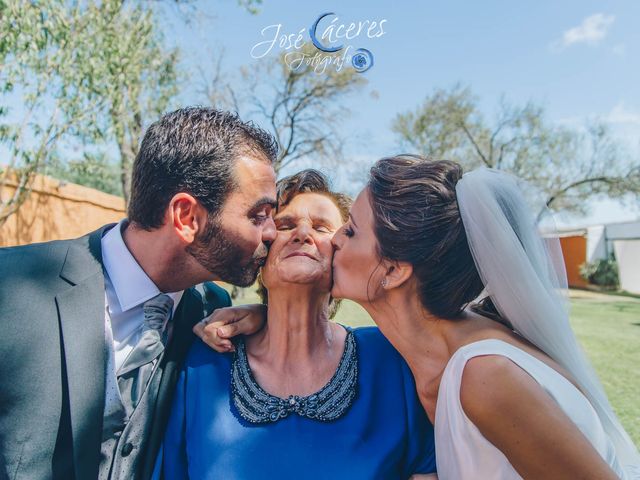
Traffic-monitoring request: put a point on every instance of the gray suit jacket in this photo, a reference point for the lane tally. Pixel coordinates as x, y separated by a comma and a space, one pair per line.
52, 359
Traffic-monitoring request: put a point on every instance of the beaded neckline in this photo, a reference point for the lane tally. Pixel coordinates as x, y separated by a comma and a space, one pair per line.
332, 401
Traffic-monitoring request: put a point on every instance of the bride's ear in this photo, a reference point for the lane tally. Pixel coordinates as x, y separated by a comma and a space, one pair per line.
397, 274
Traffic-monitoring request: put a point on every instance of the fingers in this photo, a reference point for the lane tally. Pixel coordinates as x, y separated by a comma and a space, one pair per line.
210, 334
217, 329
224, 316
226, 331
250, 319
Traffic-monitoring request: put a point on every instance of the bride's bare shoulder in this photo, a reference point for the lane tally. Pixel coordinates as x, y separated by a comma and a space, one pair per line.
515, 414
489, 382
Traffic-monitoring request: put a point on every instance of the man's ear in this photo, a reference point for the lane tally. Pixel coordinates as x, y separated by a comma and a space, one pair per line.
397, 274
186, 216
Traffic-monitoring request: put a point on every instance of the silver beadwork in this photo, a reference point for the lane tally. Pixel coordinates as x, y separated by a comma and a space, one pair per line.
331, 402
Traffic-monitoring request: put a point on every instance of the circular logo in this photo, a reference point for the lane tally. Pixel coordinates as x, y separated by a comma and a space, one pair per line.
362, 60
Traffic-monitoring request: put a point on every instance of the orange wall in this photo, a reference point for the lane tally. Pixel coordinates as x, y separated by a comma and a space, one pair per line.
56, 210
574, 251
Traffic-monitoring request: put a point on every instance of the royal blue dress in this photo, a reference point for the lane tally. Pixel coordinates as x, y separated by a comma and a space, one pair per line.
383, 433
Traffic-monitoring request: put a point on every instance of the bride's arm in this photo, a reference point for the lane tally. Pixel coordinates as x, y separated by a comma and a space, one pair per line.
515, 414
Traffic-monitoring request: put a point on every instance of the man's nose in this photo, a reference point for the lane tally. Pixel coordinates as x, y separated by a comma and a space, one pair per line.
269, 231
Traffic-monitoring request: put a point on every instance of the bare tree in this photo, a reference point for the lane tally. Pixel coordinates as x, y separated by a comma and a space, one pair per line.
567, 166
299, 101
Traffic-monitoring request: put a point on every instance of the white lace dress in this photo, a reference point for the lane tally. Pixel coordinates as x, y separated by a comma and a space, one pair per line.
462, 452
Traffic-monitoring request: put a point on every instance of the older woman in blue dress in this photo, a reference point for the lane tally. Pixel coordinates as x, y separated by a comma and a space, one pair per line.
304, 397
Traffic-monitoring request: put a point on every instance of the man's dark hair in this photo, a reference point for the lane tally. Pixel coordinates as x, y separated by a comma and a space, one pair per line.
192, 150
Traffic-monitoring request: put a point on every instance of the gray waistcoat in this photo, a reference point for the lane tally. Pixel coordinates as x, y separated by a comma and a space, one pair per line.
127, 429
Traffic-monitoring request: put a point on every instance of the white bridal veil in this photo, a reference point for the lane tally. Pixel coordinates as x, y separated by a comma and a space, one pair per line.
525, 277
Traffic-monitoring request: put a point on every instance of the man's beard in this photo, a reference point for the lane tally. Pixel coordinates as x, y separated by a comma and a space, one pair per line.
222, 255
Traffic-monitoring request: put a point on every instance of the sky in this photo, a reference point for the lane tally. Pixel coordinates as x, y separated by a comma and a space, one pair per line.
578, 58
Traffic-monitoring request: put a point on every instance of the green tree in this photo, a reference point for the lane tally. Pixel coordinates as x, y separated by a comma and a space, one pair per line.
132, 73
88, 72
567, 166
42, 98
92, 169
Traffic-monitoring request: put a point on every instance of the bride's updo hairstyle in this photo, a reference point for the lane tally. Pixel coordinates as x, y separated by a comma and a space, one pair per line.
417, 220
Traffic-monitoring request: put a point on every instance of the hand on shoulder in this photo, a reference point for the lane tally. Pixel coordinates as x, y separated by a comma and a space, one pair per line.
223, 324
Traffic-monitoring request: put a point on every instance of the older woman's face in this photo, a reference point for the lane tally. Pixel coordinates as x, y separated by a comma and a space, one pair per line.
302, 252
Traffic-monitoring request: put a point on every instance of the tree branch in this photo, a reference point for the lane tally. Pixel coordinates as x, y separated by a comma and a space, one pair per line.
475, 145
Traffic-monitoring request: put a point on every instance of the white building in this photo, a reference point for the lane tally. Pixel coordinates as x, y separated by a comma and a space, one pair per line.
622, 240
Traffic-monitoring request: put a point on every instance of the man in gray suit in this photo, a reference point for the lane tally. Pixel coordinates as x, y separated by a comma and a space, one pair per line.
93, 331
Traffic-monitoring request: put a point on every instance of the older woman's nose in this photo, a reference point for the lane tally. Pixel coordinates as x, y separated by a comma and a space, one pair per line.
302, 233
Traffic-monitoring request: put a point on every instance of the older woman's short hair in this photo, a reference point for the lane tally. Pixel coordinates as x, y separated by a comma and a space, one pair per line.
308, 181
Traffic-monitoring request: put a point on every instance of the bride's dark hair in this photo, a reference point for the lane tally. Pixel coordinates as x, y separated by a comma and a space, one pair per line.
417, 220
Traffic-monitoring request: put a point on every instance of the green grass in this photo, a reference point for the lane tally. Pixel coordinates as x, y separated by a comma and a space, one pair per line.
609, 332
608, 328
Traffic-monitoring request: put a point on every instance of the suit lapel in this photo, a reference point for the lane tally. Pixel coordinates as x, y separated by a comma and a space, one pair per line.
81, 313
189, 311
187, 314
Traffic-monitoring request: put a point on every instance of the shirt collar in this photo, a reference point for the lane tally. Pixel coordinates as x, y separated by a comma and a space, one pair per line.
130, 282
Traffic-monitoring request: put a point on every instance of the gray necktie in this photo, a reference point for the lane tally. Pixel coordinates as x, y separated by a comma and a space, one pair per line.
143, 357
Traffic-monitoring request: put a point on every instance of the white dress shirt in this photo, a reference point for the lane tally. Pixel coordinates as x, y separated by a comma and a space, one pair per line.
127, 287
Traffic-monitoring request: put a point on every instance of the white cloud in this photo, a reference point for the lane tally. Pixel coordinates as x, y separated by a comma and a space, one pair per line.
622, 115
591, 31
619, 115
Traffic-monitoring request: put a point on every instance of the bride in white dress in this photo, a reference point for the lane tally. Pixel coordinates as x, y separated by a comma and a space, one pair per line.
505, 383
